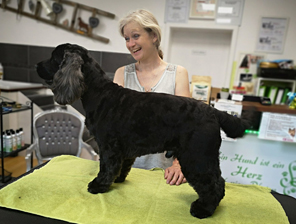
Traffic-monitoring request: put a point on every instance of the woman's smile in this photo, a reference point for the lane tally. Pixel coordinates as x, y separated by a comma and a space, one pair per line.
136, 51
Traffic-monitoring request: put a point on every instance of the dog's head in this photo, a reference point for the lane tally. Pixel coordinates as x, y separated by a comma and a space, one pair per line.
63, 72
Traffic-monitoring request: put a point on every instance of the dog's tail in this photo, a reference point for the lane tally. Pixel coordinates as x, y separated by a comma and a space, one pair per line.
233, 126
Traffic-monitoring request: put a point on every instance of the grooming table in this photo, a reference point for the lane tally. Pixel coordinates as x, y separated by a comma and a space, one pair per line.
57, 193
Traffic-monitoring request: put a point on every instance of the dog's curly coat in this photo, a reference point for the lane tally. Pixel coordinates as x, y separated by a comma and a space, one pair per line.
127, 124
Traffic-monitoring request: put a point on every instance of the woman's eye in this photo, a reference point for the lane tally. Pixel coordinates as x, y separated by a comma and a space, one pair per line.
136, 36
126, 39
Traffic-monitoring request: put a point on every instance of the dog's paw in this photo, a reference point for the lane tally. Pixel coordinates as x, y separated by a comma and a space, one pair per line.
200, 210
96, 188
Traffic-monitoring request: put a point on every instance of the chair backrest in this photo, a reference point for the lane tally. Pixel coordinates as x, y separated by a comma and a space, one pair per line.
57, 132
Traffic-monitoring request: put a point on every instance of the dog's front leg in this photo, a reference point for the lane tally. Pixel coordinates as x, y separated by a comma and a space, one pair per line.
110, 166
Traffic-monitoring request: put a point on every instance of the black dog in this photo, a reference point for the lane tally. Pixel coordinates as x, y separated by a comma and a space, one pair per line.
127, 124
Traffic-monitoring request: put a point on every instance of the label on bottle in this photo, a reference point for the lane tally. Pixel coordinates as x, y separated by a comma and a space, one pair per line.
18, 141
8, 145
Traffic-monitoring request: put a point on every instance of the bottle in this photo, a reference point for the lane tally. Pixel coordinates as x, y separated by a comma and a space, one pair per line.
1, 71
22, 137
18, 139
13, 139
4, 141
8, 142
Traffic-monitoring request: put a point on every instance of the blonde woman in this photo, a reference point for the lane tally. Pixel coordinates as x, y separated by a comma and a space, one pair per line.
151, 73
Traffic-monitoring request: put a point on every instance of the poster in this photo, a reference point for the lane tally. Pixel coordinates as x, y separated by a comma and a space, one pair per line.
231, 108
176, 11
203, 9
279, 127
272, 34
247, 70
250, 160
230, 12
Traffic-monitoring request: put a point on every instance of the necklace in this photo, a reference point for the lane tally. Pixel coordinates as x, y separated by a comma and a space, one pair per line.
150, 79
147, 82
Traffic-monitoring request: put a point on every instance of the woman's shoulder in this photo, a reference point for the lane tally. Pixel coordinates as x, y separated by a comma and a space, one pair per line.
178, 70
120, 71
130, 68
175, 67
119, 76
181, 69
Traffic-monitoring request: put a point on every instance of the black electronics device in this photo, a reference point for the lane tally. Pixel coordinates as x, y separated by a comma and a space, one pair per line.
265, 101
259, 99
251, 98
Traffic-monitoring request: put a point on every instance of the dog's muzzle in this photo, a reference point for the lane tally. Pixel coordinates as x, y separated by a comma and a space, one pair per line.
43, 73
49, 82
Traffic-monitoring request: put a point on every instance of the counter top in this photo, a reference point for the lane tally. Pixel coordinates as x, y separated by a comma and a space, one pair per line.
284, 109
7, 86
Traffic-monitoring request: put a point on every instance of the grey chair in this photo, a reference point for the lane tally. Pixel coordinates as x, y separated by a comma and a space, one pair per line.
57, 132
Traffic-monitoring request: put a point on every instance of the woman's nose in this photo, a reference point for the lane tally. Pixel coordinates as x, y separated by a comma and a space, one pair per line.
130, 43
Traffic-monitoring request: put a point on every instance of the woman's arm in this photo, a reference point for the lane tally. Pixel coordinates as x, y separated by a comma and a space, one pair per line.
182, 82
173, 174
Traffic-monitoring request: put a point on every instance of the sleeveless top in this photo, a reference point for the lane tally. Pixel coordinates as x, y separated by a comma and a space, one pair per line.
166, 84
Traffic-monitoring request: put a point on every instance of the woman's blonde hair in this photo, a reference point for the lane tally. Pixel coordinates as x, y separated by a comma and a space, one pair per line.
147, 20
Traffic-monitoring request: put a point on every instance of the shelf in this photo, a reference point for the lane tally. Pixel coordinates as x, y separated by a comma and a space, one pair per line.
6, 154
6, 178
3, 177
283, 109
283, 83
14, 110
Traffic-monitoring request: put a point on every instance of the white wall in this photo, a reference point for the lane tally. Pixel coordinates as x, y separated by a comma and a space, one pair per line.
22, 30
253, 11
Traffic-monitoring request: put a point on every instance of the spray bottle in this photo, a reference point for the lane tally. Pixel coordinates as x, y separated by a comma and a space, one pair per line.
8, 143
4, 141
22, 137
18, 139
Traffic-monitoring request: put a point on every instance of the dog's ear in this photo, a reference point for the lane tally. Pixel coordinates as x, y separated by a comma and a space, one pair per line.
68, 82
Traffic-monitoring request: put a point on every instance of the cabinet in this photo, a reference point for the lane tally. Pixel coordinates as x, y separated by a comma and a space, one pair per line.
28, 107
281, 83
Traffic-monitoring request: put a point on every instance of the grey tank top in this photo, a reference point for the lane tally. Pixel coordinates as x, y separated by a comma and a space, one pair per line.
166, 84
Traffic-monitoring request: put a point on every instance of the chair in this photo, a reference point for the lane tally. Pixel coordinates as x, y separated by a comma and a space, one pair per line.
57, 132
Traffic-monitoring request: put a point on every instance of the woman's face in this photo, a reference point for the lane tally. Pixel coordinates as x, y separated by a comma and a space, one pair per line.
138, 41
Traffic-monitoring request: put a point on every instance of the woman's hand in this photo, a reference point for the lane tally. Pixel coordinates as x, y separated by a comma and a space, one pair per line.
174, 175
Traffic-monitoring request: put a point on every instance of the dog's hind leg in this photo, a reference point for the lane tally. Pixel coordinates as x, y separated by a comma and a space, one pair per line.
208, 184
110, 165
210, 196
200, 166
125, 169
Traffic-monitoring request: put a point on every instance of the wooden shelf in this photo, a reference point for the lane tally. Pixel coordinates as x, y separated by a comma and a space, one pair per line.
53, 21
283, 109
14, 110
